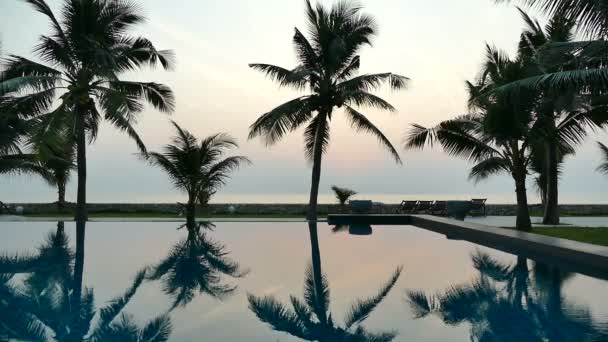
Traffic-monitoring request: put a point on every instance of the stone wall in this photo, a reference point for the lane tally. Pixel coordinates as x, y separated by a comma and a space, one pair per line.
287, 209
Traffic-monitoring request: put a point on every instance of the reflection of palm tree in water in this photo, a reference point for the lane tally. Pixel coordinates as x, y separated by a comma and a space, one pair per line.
510, 303
310, 319
44, 301
196, 264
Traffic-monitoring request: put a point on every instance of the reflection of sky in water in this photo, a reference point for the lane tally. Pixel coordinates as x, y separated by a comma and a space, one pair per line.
276, 254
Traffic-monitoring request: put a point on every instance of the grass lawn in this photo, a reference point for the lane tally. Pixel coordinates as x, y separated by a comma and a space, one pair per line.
596, 236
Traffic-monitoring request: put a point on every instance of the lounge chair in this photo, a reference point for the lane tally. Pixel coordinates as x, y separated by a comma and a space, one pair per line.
439, 208
423, 207
479, 206
407, 207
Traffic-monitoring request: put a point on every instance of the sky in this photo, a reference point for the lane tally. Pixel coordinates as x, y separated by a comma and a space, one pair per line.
438, 44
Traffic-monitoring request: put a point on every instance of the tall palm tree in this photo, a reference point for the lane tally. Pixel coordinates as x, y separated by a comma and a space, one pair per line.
87, 50
342, 195
327, 65
196, 167
310, 319
563, 115
563, 70
495, 137
196, 264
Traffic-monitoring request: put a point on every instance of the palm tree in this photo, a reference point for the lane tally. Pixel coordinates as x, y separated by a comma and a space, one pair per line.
43, 302
310, 319
563, 70
495, 137
58, 160
603, 168
563, 115
87, 50
196, 264
505, 296
196, 167
327, 65
342, 195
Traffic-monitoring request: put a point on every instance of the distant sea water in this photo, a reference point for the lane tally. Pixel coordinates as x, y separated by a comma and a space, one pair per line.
397, 198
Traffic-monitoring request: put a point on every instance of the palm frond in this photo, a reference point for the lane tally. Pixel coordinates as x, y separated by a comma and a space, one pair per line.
370, 82
157, 330
488, 167
603, 168
316, 293
108, 313
589, 14
273, 313
361, 123
361, 309
421, 304
283, 119
296, 78
490, 267
317, 130
158, 95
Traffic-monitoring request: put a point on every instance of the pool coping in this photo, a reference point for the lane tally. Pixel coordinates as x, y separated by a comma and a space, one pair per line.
577, 256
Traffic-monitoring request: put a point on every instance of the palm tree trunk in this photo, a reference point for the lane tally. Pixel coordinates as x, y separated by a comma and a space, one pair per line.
316, 169
191, 214
78, 267
523, 213
81, 161
552, 202
316, 266
61, 195
60, 227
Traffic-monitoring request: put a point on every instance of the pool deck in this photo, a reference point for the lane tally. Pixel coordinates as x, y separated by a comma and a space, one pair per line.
577, 256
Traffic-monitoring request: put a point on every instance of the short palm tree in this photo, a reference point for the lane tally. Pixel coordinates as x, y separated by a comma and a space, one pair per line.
196, 167
343, 195
496, 137
58, 158
196, 264
327, 65
89, 47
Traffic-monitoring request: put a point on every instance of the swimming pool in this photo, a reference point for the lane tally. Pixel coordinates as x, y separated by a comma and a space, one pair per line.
240, 280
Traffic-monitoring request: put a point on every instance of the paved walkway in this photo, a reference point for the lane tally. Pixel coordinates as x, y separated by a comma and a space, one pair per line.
509, 221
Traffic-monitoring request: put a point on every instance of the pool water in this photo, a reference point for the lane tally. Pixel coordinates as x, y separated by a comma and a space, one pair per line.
282, 282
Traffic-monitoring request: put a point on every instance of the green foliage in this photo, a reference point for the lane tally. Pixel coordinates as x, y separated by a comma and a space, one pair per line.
196, 167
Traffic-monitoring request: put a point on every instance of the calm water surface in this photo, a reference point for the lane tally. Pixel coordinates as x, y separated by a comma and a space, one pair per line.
241, 280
